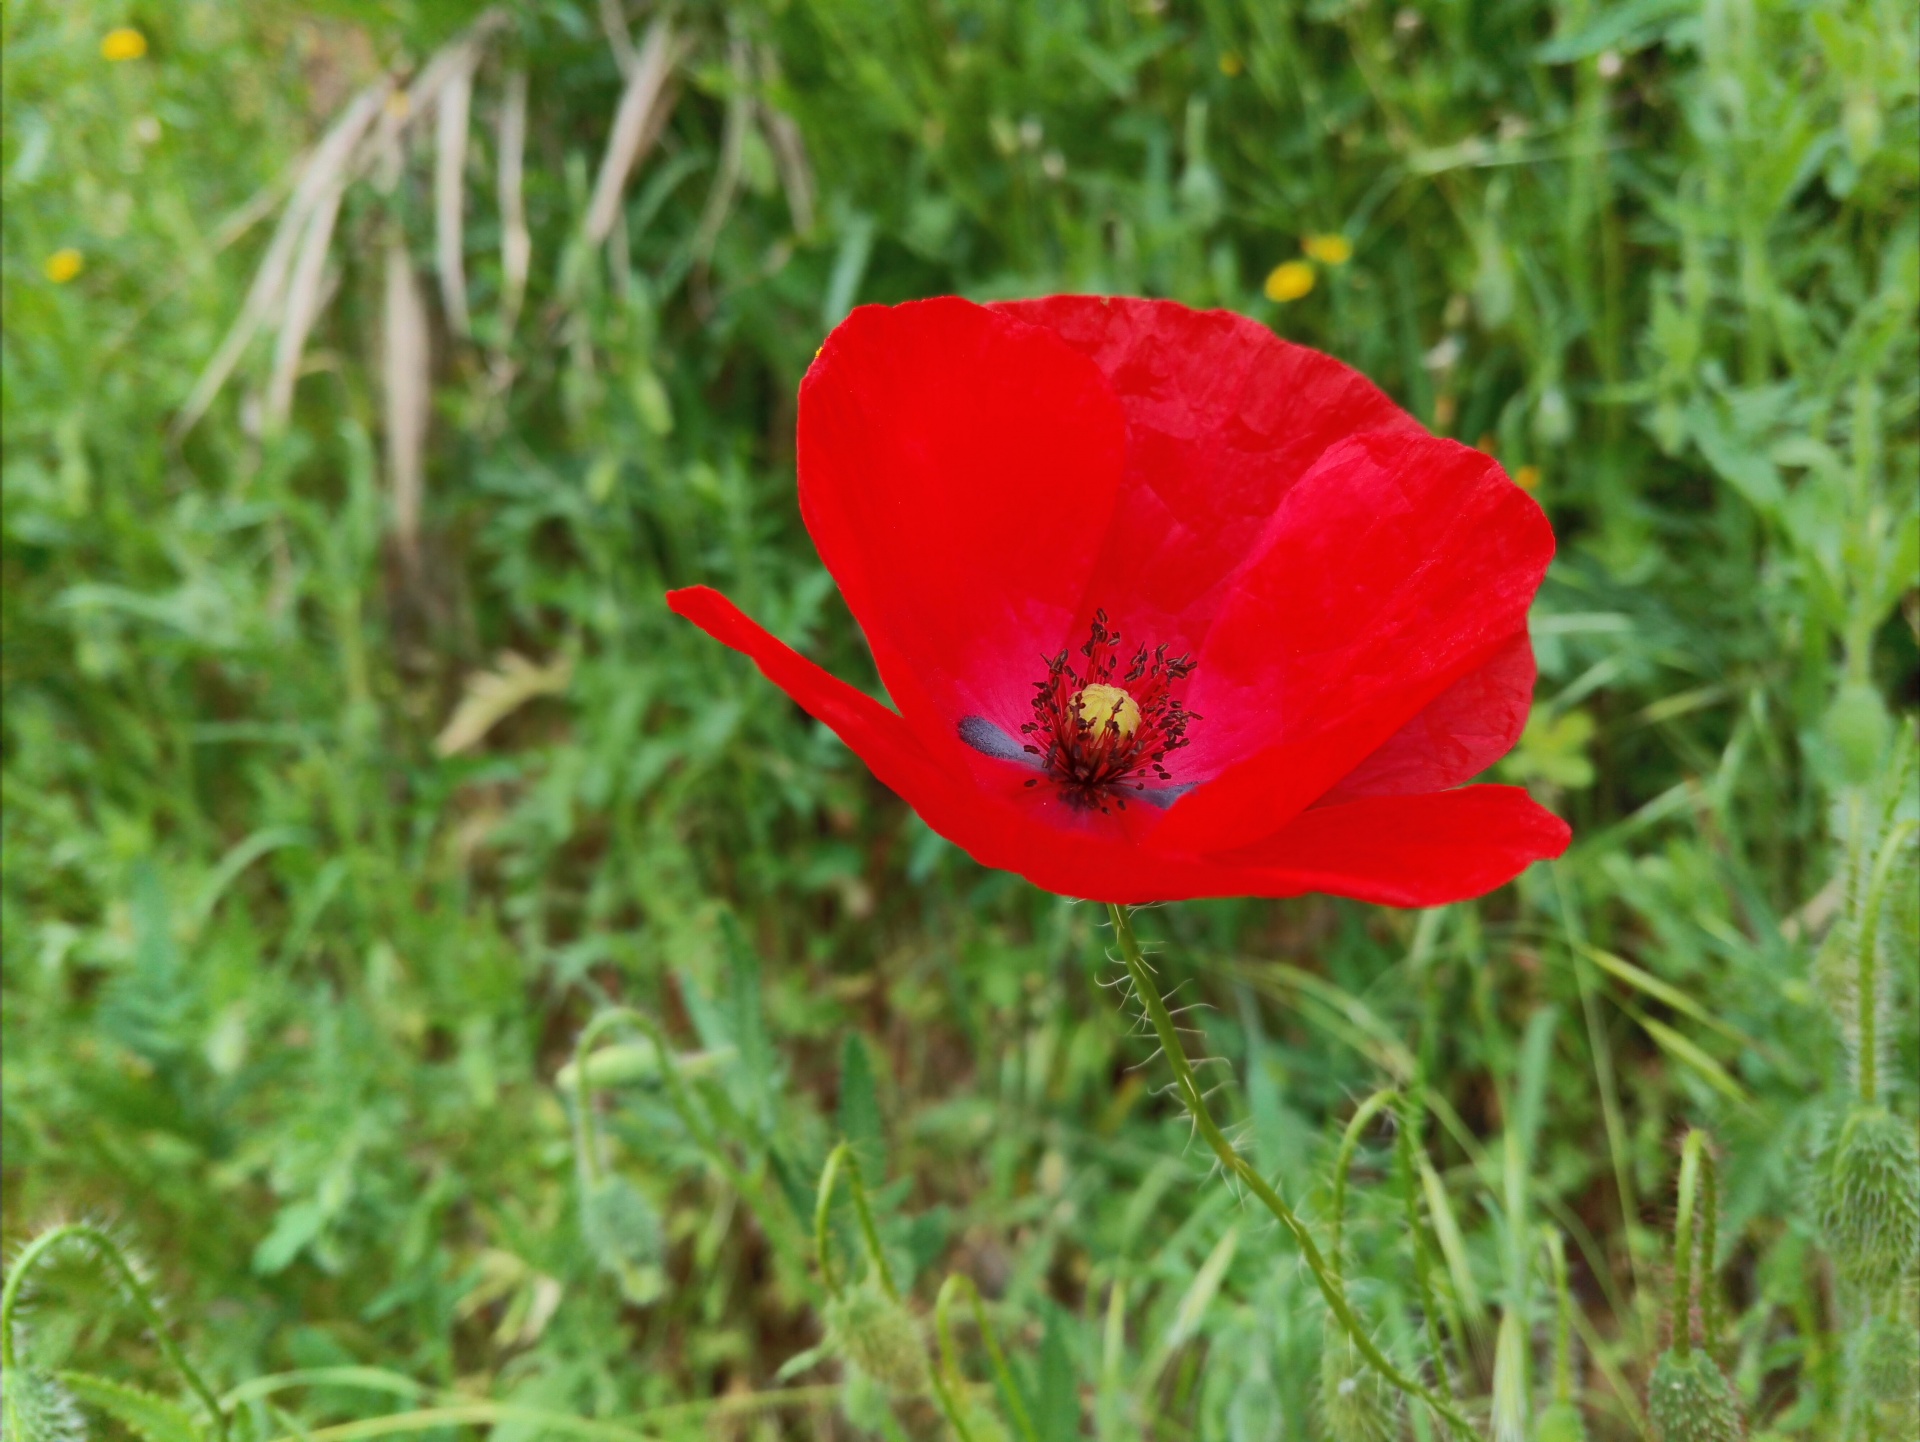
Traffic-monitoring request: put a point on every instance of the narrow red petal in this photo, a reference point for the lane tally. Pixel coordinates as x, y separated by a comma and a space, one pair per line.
1397, 566
986, 817
1223, 418
958, 469
1407, 850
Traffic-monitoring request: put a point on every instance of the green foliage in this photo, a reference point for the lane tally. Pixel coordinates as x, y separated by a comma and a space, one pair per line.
294, 964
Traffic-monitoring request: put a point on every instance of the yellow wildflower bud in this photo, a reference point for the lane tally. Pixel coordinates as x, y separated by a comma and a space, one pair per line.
125, 43
1289, 280
1328, 249
63, 265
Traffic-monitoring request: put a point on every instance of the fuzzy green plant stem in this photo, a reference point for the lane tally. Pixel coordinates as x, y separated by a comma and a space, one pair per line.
587, 1139
1563, 1320
842, 1158
115, 1262
1709, 1249
956, 1283
1690, 1155
1407, 1138
1867, 1004
1237, 1166
839, 1159
1363, 1116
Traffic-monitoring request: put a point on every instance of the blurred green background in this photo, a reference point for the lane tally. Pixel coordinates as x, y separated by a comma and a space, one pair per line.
352, 760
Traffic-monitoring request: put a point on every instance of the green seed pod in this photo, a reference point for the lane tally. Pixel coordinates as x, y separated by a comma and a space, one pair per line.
1883, 1374
1561, 1422
1688, 1400
1857, 727
983, 1423
864, 1401
1870, 1210
36, 1408
1356, 1404
622, 1230
874, 1332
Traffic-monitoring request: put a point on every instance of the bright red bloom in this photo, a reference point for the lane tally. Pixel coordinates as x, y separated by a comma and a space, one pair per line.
1170, 607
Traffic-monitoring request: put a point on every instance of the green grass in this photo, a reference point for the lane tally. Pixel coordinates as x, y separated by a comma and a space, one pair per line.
287, 991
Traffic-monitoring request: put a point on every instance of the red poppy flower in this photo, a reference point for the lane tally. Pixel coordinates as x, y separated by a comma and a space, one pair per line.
1169, 606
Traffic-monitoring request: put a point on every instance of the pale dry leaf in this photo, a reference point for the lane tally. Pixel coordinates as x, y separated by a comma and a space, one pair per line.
516, 243
306, 295
407, 360
491, 696
636, 122
325, 169
449, 177
789, 151
733, 142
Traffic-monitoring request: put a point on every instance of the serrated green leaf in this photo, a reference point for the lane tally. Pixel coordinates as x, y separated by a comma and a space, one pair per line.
146, 1414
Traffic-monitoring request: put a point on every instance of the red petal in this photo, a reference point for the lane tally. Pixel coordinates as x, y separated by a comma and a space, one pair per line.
1473, 724
1223, 418
958, 469
997, 827
1408, 850
1404, 851
1398, 565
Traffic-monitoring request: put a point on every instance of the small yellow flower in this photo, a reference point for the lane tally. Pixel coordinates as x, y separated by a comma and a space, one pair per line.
1289, 280
1527, 478
1231, 64
126, 43
63, 265
1328, 249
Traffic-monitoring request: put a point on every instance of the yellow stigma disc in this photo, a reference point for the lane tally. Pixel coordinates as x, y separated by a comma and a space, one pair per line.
1105, 707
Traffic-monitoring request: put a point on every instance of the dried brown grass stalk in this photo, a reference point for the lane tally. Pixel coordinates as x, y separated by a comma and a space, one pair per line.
325, 170
637, 122
789, 150
406, 375
449, 176
516, 243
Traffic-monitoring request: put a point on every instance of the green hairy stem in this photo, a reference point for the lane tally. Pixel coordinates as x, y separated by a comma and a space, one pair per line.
1192, 1096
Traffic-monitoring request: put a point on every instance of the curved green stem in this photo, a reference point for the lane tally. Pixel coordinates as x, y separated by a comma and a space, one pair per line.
1412, 1123
138, 1293
1237, 1166
680, 1097
1709, 1249
989, 1338
842, 1156
1343, 1164
1563, 1320
1683, 1244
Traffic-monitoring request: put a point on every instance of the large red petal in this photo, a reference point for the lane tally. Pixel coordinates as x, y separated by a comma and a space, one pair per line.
987, 817
1223, 418
1397, 566
1407, 850
958, 469
1473, 724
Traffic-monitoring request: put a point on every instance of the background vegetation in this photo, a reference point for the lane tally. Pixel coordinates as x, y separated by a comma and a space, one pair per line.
353, 762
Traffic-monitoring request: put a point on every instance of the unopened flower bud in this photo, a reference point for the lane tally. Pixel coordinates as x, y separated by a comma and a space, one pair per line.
622, 1230
1689, 1400
1857, 727
1356, 1404
874, 1332
1561, 1422
1883, 1375
1870, 1211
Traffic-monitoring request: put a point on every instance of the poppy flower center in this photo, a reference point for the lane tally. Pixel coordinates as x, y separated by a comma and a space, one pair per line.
1104, 725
